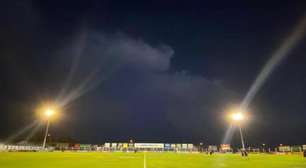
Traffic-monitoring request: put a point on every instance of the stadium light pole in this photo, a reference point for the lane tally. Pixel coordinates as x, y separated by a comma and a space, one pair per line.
238, 117
48, 114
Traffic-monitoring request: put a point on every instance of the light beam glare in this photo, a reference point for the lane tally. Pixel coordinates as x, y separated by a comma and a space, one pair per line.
21, 132
280, 54
77, 92
91, 82
80, 46
32, 133
228, 135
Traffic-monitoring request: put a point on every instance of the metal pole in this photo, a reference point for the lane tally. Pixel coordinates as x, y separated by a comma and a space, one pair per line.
46, 134
242, 140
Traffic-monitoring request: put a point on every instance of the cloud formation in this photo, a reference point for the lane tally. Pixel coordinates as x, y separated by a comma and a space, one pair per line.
133, 86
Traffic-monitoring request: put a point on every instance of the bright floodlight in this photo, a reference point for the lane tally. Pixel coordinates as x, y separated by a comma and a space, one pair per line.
237, 116
49, 112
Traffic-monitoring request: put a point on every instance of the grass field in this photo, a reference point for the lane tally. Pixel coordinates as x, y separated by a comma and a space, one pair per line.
153, 160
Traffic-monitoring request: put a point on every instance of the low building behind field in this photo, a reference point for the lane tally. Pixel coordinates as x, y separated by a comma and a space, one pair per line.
158, 147
291, 149
296, 148
13, 148
212, 148
304, 147
154, 147
61, 146
86, 147
225, 148
149, 146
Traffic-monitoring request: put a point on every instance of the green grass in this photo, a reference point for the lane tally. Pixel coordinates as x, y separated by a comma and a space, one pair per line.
154, 160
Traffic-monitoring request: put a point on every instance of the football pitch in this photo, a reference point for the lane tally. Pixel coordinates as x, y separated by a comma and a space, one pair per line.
146, 160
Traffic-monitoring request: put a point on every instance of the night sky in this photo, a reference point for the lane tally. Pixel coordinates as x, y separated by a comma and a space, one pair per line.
159, 71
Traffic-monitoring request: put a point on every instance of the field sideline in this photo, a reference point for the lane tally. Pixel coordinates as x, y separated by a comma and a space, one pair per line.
153, 160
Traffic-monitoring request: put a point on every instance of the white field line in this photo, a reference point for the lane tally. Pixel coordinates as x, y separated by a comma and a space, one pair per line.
144, 160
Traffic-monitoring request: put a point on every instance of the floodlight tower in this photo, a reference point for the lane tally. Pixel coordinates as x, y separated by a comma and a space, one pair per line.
237, 118
48, 114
